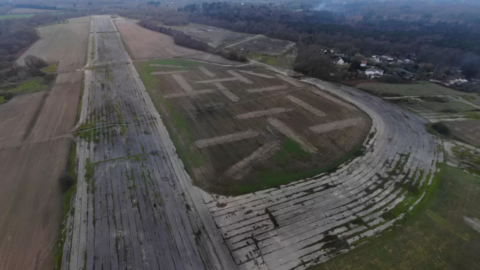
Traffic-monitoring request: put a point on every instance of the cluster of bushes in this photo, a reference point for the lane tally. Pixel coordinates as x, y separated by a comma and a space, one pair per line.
18, 34
16, 75
185, 40
389, 78
441, 128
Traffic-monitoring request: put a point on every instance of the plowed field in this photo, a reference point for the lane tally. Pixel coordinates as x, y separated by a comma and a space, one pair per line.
63, 43
152, 45
34, 147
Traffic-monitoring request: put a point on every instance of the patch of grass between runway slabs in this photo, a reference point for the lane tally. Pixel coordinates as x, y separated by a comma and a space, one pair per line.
435, 236
470, 159
276, 177
69, 190
88, 131
412, 190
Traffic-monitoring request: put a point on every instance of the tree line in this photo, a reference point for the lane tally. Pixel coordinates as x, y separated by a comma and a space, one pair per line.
182, 39
16, 35
441, 43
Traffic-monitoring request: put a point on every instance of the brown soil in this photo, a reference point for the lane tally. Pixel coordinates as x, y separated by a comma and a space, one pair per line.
34, 148
63, 43
30, 198
15, 118
142, 43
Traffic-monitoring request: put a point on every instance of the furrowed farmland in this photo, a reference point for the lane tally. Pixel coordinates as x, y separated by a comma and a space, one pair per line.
243, 129
153, 45
156, 45
35, 141
62, 43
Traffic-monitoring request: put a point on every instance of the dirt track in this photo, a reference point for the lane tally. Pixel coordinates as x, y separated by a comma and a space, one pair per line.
34, 147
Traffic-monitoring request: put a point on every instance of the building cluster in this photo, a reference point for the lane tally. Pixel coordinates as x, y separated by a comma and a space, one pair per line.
405, 68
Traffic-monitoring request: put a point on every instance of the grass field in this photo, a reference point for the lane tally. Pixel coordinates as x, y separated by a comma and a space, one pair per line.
184, 93
414, 89
274, 60
468, 131
448, 106
30, 10
16, 16
435, 236
30, 86
50, 69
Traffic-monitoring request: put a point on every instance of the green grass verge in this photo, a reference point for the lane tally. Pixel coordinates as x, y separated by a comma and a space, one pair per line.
67, 208
173, 62
290, 151
50, 69
29, 86
433, 236
275, 178
175, 122
280, 60
16, 16
415, 89
448, 106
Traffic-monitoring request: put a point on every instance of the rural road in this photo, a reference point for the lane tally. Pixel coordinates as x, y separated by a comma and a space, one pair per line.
136, 207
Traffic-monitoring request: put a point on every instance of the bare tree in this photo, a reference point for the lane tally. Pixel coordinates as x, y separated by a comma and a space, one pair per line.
34, 63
